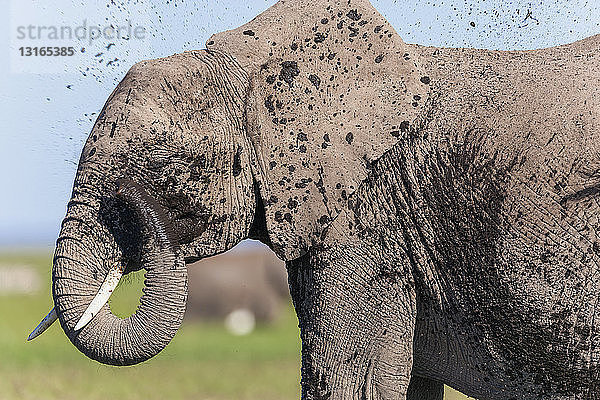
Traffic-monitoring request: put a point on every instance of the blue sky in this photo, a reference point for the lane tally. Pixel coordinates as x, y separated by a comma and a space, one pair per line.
48, 105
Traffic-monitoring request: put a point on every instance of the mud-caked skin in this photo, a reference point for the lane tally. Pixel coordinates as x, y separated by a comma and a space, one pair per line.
437, 208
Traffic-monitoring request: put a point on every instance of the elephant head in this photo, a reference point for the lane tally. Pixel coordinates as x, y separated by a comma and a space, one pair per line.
264, 134
163, 178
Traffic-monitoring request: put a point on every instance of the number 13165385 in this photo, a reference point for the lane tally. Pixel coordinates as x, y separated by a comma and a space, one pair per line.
48, 51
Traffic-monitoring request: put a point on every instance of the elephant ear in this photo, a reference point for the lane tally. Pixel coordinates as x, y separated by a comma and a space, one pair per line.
332, 88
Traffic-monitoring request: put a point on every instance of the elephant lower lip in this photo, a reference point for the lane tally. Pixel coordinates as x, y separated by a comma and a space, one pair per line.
149, 211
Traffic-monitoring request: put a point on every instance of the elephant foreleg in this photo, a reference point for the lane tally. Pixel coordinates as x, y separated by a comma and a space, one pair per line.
424, 389
357, 317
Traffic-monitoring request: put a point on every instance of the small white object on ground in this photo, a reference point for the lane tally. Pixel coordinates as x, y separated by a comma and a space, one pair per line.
240, 322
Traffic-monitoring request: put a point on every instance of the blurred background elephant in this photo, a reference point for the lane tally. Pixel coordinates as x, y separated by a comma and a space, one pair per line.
251, 280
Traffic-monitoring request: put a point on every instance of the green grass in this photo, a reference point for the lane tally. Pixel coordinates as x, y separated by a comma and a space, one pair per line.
202, 362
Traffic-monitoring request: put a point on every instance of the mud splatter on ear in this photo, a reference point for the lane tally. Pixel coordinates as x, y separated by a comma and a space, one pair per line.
332, 87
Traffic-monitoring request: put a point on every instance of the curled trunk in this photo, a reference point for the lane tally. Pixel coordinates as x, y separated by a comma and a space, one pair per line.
88, 247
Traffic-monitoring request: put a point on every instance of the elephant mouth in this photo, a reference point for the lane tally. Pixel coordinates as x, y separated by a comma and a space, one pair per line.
96, 331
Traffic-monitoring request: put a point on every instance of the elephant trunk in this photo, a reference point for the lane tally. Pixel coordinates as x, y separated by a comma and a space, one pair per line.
88, 249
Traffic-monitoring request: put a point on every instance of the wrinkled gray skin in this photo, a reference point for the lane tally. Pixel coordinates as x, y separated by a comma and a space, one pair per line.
437, 208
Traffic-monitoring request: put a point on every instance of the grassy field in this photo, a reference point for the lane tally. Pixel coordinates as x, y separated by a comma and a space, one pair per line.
202, 362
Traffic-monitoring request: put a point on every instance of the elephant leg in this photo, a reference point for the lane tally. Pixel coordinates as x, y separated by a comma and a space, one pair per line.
425, 389
357, 315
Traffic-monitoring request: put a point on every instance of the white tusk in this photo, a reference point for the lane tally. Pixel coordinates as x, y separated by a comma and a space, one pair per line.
107, 288
45, 324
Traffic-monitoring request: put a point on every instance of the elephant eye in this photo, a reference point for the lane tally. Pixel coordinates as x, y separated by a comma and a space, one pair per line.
155, 164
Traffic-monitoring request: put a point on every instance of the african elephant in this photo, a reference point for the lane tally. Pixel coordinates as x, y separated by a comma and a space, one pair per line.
436, 208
